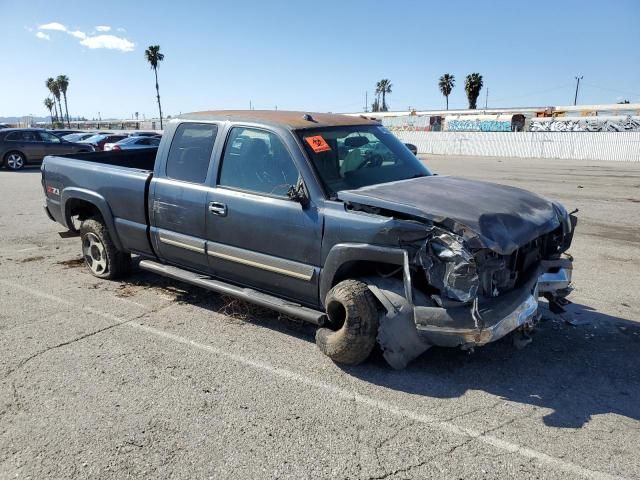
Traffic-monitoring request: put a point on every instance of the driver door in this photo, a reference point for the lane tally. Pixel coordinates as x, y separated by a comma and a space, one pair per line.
256, 235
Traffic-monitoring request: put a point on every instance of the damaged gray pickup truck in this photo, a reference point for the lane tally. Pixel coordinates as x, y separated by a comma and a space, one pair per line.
327, 218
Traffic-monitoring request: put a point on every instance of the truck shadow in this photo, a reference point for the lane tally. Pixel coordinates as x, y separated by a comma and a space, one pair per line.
576, 371
221, 304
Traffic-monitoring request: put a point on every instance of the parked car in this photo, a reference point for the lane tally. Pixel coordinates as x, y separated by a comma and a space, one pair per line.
98, 141
412, 148
77, 137
61, 132
132, 143
361, 240
24, 146
145, 134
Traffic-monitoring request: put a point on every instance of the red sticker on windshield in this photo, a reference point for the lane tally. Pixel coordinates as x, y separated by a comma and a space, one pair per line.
318, 144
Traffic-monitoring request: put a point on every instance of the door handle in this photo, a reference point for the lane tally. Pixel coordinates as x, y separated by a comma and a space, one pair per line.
218, 208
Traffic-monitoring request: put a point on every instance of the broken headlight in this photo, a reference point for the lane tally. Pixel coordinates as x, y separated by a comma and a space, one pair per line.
450, 267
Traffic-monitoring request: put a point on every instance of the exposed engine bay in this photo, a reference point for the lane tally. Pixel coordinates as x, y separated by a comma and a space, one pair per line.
467, 284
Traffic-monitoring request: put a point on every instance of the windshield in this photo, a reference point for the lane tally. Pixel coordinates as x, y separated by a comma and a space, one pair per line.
353, 157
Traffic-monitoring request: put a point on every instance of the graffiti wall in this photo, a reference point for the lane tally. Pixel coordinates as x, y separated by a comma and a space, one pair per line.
478, 125
586, 124
455, 123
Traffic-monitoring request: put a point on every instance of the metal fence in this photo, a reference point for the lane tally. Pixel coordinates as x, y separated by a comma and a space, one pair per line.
618, 146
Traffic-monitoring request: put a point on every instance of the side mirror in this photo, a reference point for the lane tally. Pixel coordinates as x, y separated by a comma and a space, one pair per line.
297, 193
412, 147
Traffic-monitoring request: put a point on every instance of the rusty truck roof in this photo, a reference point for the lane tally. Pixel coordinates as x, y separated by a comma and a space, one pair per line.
291, 119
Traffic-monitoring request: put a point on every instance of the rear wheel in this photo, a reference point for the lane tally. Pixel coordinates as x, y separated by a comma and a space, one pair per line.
100, 255
15, 161
353, 317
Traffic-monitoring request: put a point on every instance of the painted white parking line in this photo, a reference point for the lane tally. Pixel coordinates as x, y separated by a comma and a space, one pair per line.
337, 391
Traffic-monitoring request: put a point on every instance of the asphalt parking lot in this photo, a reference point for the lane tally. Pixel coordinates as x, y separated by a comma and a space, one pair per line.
148, 377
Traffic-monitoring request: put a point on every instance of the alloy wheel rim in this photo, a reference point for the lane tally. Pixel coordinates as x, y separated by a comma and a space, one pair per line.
94, 254
15, 161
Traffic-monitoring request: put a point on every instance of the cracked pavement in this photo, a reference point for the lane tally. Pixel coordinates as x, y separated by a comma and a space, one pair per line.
151, 378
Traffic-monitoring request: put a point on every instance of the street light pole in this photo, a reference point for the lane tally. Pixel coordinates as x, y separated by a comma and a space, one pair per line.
575, 99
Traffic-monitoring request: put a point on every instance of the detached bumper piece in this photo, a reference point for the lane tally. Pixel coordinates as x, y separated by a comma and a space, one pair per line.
408, 330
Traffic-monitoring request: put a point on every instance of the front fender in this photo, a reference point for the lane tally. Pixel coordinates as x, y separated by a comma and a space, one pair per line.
343, 253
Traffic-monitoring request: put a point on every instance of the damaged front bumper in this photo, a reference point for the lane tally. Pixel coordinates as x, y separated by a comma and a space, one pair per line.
411, 327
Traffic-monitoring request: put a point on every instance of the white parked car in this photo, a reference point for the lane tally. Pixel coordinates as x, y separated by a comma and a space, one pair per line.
132, 143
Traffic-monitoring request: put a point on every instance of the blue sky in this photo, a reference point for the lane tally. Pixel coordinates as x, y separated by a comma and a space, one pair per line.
319, 56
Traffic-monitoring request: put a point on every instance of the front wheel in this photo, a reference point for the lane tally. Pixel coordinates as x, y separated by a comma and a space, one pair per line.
100, 255
353, 314
15, 161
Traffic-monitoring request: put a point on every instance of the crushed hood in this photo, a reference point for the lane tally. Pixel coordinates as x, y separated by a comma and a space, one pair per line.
494, 216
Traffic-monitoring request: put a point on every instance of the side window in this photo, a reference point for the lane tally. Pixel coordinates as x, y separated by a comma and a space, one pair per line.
14, 136
47, 137
190, 152
257, 161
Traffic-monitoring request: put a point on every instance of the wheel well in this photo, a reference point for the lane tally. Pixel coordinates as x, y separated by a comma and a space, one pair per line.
363, 268
82, 209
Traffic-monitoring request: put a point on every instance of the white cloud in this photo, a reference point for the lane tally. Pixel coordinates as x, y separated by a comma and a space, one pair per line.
103, 28
120, 29
53, 26
78, 34
110, 42
28, 29
43, 36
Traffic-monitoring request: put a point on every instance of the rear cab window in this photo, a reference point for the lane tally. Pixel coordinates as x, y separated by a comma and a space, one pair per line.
190, 152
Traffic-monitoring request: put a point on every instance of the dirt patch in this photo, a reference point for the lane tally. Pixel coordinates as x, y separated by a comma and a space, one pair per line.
126, 290
73, 263
37, 258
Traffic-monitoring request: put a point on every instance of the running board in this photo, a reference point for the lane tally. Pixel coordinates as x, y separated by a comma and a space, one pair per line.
247, 294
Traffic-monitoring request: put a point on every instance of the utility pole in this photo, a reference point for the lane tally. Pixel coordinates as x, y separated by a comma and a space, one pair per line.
366, 101
575, 99
250, 106
486, 98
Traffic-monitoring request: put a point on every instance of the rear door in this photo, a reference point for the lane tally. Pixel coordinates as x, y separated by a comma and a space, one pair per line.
179, 197
256, 235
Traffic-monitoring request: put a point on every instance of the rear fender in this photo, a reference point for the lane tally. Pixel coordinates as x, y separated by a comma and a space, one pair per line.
97, 200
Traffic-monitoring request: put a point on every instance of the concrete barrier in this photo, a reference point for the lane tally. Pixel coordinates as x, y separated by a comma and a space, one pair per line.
617, 146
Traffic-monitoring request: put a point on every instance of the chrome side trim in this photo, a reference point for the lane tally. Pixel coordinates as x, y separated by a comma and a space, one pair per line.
270, 263
182, 241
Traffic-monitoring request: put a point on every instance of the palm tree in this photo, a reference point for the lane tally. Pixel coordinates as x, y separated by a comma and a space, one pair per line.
51, 85
446, 84
383, 87
49, 104
472, 85
154, 57
63, 84
55, 90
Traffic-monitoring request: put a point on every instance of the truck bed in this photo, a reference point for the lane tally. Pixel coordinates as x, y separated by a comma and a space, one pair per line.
116, 182
141, 159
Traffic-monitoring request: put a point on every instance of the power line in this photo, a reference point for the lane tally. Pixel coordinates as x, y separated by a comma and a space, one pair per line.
611, 90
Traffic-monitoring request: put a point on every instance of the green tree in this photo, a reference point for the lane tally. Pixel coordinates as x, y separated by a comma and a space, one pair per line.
49, 104
472, 86
52, 86
446, 84
154, 57
63, 84
383, 87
